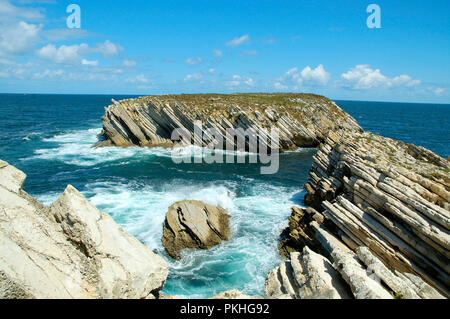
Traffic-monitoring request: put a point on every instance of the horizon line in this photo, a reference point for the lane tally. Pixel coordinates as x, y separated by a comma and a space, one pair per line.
142, 95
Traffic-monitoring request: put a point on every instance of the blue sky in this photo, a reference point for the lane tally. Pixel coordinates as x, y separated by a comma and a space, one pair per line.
155, 47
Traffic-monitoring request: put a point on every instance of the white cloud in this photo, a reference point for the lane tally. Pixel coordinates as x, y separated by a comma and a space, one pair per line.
13, 72
435, 90
249, 82
315, 76
439, 91
138, 79
193, 61
307, 77
108, 49
290, 78
11, 12
73, 54
51, 74
238, 80
238, 41
218, 53
193, 77
90, 63
64, 54
280, 86
362, 77
18, 38
129, 63
403, 80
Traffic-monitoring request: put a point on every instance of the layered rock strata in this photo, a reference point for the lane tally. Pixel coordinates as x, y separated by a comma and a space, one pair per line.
387, 195
68, 250
303, 120
196, 225
345, 275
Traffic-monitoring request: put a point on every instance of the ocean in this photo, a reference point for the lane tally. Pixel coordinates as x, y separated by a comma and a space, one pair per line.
50, 138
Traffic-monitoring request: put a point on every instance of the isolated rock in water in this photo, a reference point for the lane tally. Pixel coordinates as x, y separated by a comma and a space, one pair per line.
68, 250
193, 224
303, 120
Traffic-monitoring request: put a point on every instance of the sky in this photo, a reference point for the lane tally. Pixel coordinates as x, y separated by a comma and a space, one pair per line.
146, 47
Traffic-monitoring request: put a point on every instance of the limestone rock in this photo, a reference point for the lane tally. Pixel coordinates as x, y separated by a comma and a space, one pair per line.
362, 285
309, 275
389, 196
303, 120
69, 250
400, 287
193, 224
306, 276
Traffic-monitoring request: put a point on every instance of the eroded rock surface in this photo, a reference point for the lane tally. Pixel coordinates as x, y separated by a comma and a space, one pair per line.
383, 194
344, 275
68, 250
196, 225
306, 276
303, 120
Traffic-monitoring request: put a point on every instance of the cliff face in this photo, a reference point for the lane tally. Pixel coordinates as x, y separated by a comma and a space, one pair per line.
68, 250
372, 191
303, 119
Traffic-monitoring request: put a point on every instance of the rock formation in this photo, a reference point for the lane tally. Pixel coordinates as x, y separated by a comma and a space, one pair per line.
306, 276
384, 194
68, 250
193, 224
303, 120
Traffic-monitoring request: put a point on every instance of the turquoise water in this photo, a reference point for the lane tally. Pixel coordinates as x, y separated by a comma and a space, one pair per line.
50, 137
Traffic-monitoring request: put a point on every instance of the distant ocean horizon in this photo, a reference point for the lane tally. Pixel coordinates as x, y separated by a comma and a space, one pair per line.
50, 138
181, 93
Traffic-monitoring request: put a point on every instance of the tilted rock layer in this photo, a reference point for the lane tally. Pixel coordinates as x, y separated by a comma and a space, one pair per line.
196, 225
303, 120
68, 250
384, 194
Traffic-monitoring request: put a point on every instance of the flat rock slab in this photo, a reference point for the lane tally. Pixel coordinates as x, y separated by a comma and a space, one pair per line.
196, 225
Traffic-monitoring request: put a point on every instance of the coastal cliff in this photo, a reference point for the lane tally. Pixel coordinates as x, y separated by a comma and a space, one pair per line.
370, 191
68, 250
303, 120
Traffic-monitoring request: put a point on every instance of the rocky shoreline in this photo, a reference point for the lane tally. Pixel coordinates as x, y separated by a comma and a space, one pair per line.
377, 225
370, 191
303, 120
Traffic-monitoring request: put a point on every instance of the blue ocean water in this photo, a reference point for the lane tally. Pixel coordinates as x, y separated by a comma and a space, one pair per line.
50, 137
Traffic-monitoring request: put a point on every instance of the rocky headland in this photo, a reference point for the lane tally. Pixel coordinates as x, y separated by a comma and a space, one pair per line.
383, 203
196, 225
303, 120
